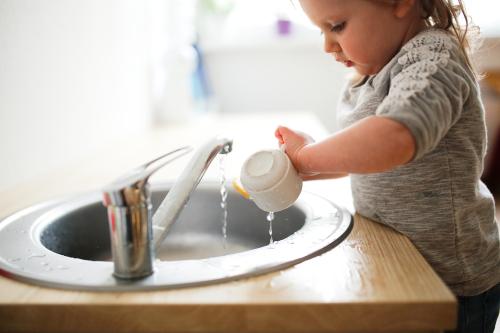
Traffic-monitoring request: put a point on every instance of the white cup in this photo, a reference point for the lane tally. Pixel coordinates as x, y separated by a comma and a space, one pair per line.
271, 180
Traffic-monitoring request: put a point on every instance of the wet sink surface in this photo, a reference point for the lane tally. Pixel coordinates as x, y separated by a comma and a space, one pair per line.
66, 244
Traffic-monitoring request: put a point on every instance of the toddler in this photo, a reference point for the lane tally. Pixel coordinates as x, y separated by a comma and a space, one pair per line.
413, 139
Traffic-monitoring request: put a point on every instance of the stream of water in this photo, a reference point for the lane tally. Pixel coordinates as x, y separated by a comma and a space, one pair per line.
270, 218
223, 193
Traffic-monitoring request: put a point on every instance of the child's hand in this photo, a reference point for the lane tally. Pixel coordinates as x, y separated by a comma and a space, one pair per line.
294, 141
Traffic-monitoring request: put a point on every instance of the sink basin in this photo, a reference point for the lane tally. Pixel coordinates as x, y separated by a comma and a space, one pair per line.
65, 243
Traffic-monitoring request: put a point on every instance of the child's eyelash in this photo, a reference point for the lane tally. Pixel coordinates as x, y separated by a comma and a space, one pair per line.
338, 27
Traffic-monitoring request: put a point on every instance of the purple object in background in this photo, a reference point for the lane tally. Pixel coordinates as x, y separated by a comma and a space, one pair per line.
284, 27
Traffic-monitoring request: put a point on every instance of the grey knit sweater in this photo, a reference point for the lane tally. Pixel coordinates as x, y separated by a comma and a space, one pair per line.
437, 199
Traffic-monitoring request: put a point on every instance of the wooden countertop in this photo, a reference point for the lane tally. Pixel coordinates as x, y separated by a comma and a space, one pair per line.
374, 281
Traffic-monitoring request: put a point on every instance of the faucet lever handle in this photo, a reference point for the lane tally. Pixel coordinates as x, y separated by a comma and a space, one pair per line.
159, 162
119, 191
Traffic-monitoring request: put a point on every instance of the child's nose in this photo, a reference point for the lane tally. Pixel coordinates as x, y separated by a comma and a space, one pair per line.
331, 46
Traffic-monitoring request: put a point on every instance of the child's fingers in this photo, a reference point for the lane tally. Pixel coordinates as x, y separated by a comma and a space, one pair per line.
284, 132
288, 134
279, 135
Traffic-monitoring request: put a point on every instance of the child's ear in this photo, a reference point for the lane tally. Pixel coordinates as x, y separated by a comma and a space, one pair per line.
403, 7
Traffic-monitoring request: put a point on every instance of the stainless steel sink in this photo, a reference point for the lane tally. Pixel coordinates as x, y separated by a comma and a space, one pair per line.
65, 244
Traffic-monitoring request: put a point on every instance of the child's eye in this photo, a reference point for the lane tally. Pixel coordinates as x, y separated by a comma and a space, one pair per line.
337, 27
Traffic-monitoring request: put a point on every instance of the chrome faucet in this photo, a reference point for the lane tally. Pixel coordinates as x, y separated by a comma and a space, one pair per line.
135, 232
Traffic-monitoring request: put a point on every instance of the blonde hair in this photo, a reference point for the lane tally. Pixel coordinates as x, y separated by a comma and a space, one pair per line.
446, 15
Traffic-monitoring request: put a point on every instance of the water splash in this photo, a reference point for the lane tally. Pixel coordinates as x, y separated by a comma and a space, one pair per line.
223, 193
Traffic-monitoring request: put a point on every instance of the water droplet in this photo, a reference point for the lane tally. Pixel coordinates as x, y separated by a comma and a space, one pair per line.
270, 216
43, 263
62, 267
36, 255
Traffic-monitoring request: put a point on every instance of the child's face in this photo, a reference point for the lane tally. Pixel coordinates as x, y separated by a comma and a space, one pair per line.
362, 34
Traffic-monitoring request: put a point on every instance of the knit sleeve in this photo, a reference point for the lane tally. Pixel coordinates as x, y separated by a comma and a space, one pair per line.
428, 89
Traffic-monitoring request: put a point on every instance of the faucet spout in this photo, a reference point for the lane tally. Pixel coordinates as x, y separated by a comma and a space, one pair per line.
178, 195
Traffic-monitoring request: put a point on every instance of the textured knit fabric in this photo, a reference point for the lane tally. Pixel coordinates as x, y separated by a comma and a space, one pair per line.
437, 199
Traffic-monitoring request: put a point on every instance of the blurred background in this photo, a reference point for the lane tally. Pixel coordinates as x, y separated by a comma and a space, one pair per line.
78, 75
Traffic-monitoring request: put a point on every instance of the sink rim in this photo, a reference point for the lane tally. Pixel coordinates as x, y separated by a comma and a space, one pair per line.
326, 225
